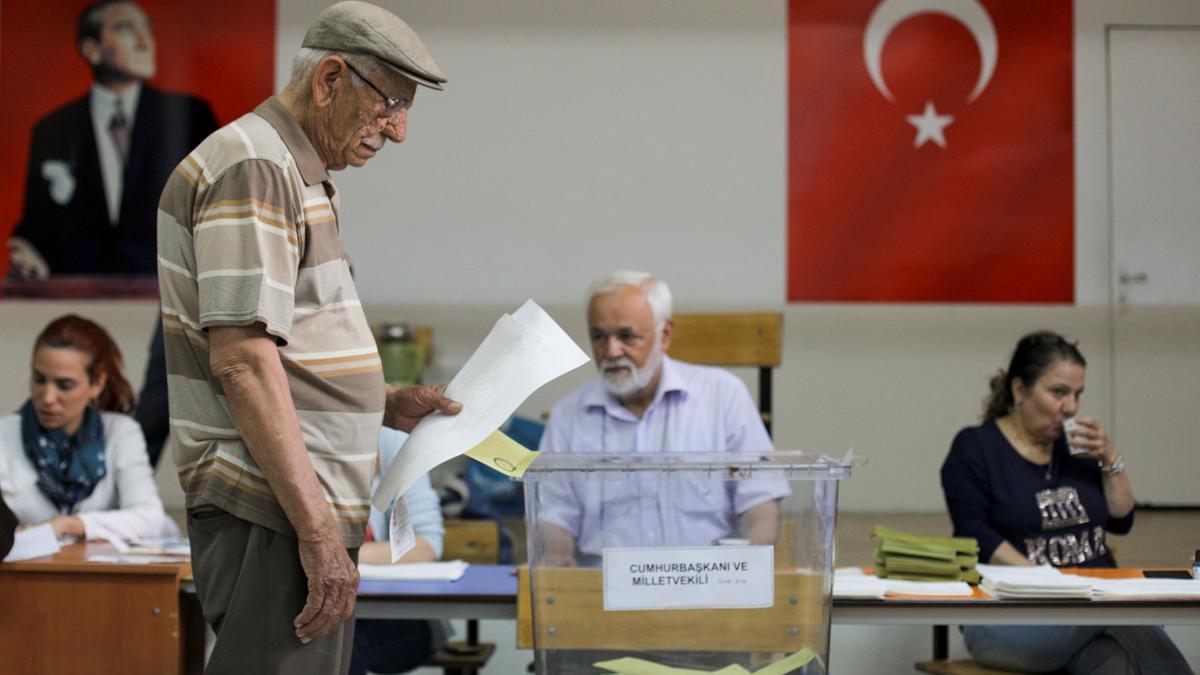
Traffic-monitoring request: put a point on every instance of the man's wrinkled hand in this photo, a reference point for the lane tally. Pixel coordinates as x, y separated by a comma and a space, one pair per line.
332, 587
406, 406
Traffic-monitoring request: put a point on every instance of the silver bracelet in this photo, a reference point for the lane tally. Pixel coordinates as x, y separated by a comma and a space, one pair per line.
1113, 469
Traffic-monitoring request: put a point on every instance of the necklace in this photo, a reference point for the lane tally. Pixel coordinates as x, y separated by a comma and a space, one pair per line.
1019, 442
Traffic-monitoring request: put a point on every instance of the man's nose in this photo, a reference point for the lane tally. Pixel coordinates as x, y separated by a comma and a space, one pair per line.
613, 347
145, 39
395, 129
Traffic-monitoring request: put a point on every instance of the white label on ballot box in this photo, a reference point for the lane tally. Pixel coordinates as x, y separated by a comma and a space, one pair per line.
689, 577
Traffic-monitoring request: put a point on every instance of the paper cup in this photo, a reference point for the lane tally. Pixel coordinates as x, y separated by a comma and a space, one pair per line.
1070, 425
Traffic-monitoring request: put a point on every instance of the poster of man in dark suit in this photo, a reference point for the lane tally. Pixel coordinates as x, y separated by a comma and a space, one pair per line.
97, 164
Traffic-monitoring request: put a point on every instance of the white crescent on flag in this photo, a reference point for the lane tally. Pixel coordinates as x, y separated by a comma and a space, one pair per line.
891, 13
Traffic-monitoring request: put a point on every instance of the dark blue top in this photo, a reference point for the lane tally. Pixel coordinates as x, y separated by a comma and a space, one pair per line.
1054, 513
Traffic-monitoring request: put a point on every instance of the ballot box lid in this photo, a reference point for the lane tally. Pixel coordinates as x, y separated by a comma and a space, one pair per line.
782, 464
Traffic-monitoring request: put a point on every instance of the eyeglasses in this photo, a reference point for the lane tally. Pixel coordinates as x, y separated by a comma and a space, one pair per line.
394, 105
625, 336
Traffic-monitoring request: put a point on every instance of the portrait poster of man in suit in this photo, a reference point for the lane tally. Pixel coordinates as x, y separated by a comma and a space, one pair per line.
116, 124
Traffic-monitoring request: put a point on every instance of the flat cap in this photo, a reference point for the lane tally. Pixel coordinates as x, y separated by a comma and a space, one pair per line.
362, 28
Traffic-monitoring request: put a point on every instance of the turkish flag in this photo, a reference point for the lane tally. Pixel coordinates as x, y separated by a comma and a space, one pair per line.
930, 151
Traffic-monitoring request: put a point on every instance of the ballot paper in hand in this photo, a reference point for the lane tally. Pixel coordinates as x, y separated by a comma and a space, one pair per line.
524, 351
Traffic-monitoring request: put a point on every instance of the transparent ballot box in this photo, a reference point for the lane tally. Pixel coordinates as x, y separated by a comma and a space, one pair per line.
644, 563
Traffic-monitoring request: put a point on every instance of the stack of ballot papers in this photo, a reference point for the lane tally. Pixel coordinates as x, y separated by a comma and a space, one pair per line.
914, 557
853, 583
1125, 589
1007, 581
448, 570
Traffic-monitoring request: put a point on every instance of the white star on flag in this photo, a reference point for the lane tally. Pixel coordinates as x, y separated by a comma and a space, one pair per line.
930, 126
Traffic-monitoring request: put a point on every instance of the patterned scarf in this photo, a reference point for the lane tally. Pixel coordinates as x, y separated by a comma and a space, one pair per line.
68, 467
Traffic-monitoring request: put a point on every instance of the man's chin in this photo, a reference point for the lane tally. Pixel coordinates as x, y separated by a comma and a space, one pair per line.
622, 388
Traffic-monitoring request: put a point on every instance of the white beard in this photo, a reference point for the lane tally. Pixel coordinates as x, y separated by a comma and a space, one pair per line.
624, 385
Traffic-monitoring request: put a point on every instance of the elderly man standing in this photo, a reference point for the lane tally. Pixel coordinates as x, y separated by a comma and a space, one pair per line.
276, 389
645, 402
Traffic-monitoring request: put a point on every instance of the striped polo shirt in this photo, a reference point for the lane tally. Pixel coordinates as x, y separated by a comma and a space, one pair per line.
248, 233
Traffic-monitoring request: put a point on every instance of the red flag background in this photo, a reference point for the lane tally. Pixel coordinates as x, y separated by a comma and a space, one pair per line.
987, 218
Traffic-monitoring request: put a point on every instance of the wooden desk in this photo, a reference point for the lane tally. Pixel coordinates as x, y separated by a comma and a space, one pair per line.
62, 614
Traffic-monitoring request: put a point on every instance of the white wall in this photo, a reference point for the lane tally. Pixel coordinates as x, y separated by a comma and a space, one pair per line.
575, 137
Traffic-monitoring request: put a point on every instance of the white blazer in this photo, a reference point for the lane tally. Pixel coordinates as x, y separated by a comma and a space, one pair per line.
125, 503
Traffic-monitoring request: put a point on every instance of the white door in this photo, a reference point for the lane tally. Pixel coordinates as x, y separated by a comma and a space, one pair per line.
1154, 152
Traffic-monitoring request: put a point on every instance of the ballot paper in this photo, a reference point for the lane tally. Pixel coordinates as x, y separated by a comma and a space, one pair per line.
135, 559
33, 542
524, 351
1009, 581
161, 546
852, 582
400, 529
448, 570
503, 454
1125, 589
628, 665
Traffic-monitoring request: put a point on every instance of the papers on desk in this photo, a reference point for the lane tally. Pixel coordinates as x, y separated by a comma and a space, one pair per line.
161, 547
853, 583
524, 351
33, 542
127, 559
1046, 582
1007, 581
1145, 589
449, 570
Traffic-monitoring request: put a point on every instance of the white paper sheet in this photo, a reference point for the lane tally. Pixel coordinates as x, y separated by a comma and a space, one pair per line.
449, 570
136, 559
1007, 581
400, 529
33, 542
1145, 588
157, 546
852, 582
524, 351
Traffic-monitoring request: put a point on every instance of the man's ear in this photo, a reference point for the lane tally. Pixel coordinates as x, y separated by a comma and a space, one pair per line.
89, 49
667, 329
325, 78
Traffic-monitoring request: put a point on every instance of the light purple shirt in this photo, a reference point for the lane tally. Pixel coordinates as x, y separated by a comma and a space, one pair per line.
696, 409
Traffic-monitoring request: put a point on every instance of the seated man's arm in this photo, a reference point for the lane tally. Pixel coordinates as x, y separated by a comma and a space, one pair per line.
558, 545
760, 524
558, 503
380, 553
